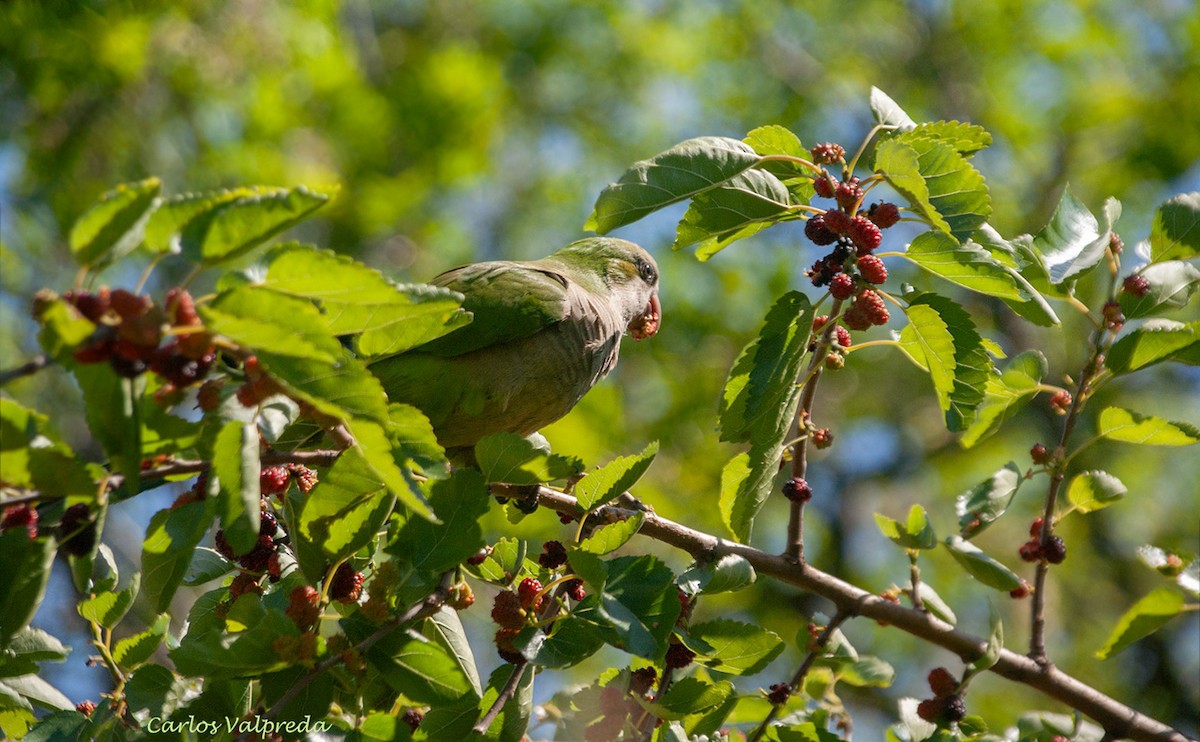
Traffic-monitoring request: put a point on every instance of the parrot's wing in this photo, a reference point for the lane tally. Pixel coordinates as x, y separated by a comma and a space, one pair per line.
509, 301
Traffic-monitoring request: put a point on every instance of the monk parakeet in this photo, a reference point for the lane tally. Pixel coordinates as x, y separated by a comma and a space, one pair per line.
543, 333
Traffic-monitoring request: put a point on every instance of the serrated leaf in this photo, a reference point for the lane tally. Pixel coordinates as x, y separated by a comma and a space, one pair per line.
108, 608
741, 206
900, 164
510, 459
1119, 424
733, 647
957, 191
779, 142
571, 641
231, 226
915, 533
167, 550
114, 226
964, 138
32, 457
689, 168
888, 112
1018, 255
378, 451
356, 299
686, 697
1175, 232
1005, 394
958, 364
1074, 241
433, 547
1153, 342
614, 478
1094, 490
981, 566
1172, 284
211, 650
729, 573
612, 536
134, 650
633, 601
1144, 618
235, 462
27, 564
983, 504
206, 565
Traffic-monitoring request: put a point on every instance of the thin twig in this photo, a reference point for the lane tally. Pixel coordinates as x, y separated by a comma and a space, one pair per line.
802, 671
422, 609
30, 367
506, 694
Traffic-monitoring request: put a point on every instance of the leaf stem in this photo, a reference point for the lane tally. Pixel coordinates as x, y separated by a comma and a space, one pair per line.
506, 694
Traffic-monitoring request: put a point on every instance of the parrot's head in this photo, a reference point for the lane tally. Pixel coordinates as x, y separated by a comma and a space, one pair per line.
626, 273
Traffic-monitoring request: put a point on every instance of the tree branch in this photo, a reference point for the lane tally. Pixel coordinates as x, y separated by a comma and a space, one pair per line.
1116, 718
30, 367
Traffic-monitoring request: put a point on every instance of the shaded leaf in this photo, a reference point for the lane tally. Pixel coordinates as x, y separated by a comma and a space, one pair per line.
510, 459
27, 564
981, 566
1144, 618
687, 696
935, 605
1153, 342
1175, 232
633, 600
1005, 394
433, 547
741, 206
728, 574
688, 168
888, 112
235, 462
983, 504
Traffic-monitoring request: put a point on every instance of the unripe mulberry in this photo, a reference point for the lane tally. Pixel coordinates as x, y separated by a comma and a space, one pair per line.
1137, 285
872, 269
529, 591
848, 194
1060, 401
1031, 550
575, 589
865, 234
856, 317
941, 682
828, 153
822, 438
21, 516
842, 286
836, 221
825, 185
273, 480
507, 611
304, 607
346, 585
873, 307
842, 335
1039, 454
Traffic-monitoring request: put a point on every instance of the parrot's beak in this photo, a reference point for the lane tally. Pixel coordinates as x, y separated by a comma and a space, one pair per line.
646, 324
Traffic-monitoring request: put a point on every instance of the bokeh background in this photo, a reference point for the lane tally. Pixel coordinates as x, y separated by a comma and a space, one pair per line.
456, 131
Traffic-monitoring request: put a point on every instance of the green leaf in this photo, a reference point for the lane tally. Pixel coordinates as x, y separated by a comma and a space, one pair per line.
154, 687
167, 550
356, 299
633, 600
1005, 394
420, 668
957, 191
1074, 241
341, 515
773, 141
1175, 232
114, 226
915, 533
1172, 284
446, 628
741, 206
571, 641
62, 331
614, 478
733, 647
206, 566
984, 503
995, 643
459, 503
687, 696
231, 225
134, 650
112, 405
108, 608
888, 112
758, 406
32, 457
935, 604
27, 565
900, 164
964, 138
1119, 424
378, 450
1155, 341
235, 462
981, 566
27, 648
210, 650
958, 363
688, 168
612, 536
510, 459
728, 574
867, 671
1144, 618
1018, 255
1094, 490
287, 336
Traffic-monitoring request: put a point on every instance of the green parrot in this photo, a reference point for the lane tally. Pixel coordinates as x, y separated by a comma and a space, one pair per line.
543, 333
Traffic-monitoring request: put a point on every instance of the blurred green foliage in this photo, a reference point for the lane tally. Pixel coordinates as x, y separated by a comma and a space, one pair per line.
461, 130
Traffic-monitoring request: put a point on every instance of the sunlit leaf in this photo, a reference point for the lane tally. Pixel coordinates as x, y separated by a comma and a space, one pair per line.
1175, 232
733, 647
230, 227
981, 566
957, 362
1144, 618
114, 226
888, 112
614, 478
1155, 341
1171, 286
1074, 241
1005, 394
1093, 490
741, 206
511, 459
1125, 425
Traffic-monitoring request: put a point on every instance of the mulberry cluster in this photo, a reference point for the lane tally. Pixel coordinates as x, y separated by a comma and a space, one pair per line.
304, 607
868, 309
553, 556
946, 705
258, 559
130, 330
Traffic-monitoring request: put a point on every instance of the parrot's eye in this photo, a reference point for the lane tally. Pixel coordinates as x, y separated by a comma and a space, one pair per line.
647, 272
